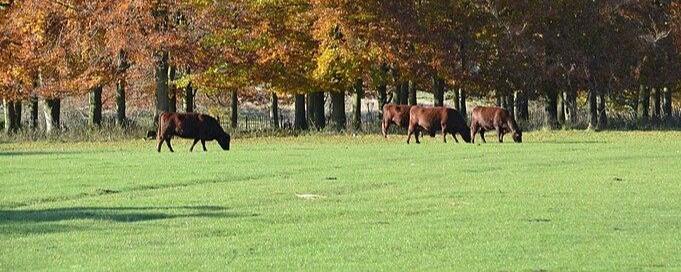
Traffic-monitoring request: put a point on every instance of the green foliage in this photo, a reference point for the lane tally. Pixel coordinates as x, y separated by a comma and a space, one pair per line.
336, 69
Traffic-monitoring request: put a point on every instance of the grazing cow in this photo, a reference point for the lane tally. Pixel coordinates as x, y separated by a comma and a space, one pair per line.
199, 127
394, 114
493, 118
447, 120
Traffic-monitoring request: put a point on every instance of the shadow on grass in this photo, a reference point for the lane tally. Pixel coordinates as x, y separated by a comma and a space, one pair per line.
114, 214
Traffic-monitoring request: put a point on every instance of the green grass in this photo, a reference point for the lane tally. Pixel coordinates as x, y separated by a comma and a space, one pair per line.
561, 201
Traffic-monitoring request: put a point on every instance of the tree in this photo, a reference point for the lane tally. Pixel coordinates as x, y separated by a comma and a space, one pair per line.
10, 116
274, 110
189, 94
357, 113
300, 120
120, 89
438, 91
95, 118
234, 110
316, 110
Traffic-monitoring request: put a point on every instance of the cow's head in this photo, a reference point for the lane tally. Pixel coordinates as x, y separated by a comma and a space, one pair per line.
466, 135
224, 140
518, 136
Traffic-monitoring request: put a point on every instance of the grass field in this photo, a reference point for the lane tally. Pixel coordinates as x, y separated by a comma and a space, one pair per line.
561, 201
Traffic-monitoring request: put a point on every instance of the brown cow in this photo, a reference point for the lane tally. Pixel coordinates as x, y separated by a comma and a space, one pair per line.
447, 120
199, 127
493, 118
394, 114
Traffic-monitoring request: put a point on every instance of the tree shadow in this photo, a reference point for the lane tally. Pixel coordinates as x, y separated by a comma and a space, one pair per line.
114, 214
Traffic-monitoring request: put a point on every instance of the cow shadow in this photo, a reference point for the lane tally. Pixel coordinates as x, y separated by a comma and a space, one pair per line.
48, 220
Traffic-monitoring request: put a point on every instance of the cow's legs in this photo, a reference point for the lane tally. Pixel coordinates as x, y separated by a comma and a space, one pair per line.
191, 149
160, 141
455, 139
482, 136
385, 125
444, 132
500, 134
169, 146
203, 143
474, 130
412, 128
417, 134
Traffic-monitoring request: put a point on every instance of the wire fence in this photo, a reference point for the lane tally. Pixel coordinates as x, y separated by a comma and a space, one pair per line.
370, 121
260, 120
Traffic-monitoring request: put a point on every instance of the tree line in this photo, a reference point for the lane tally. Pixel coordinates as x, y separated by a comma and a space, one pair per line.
617, 53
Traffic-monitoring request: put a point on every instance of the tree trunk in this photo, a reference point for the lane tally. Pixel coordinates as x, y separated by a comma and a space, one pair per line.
357, 114
403, 94
162, 101
172, 89
382, 91
551, 107
382, 88
33, 122
95, 118
462, 104
500, 100
438, 92
412, 93
667, 103
189, 94
52, 110
338, 110
17, 114
10, 117
274, 110
644, 104
464, 64
457, 104
309, 108
570, 98
602, 111
509, 104
300, 120
593, 109
655, 97
120, 90
234, 109
172, 100
561, 108
316, 110
518, 100
120, 103
506, 102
